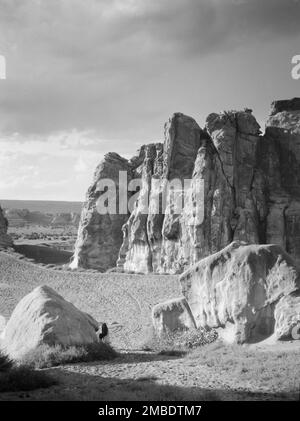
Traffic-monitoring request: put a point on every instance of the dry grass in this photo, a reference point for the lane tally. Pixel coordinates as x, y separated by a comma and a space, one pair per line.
276, 371
46, 356
179, 342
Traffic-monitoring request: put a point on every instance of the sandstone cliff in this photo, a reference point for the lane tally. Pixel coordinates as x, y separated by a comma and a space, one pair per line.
250, 192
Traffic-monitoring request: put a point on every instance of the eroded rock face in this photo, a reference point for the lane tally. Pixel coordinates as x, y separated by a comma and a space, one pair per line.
5, 240
100, 235
171, 316
2, 324
221, 161
44, 317
241, 286
249, 191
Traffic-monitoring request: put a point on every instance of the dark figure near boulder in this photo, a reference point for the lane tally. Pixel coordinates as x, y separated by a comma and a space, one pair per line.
104, 331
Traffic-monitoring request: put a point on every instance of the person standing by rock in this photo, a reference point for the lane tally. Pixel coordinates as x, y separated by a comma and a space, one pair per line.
103, 335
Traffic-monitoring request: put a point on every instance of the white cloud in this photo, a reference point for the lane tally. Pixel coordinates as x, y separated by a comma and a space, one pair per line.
85, 77
61, 167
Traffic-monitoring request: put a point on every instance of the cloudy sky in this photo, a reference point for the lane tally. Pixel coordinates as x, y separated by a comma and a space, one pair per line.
85, 77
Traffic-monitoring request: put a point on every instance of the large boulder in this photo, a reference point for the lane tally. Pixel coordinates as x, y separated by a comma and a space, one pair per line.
171, 316
44, 317
239, 287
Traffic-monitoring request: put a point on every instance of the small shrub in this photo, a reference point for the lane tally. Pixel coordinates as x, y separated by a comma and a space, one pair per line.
5, 363
24, 378
46, 356
179, 342
115, 270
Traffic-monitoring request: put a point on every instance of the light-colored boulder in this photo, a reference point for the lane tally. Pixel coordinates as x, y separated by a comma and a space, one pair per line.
172, 315
44, 317
287, 317
240, 287
279, 161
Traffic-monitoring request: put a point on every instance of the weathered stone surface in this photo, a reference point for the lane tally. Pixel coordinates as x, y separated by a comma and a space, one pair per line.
173, 315
250, 192
285, 105
240, 285
279, 163
287, 316
5, 240
44, 317
100, 235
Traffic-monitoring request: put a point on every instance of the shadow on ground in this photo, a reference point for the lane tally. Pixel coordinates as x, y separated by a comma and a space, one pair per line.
44, 254
76, 384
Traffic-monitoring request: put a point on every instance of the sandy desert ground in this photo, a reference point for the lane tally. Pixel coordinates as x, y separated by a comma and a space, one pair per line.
213, 372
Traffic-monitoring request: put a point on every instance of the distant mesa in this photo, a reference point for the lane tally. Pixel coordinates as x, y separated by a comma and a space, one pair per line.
23, 217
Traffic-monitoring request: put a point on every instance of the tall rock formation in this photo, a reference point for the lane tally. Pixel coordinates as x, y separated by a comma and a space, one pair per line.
239, 185
5, 240
100, 235
279, 163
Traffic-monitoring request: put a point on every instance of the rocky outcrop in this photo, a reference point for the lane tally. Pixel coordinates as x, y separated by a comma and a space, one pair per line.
279, 168
173, 315
245, 289
22, 217
5, 240
44, 317
65, 219
100, 235
239, 185
287, 317
2, 324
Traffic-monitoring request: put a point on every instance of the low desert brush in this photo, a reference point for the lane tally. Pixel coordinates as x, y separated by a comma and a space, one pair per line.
15, 378
46, 356
179, 342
